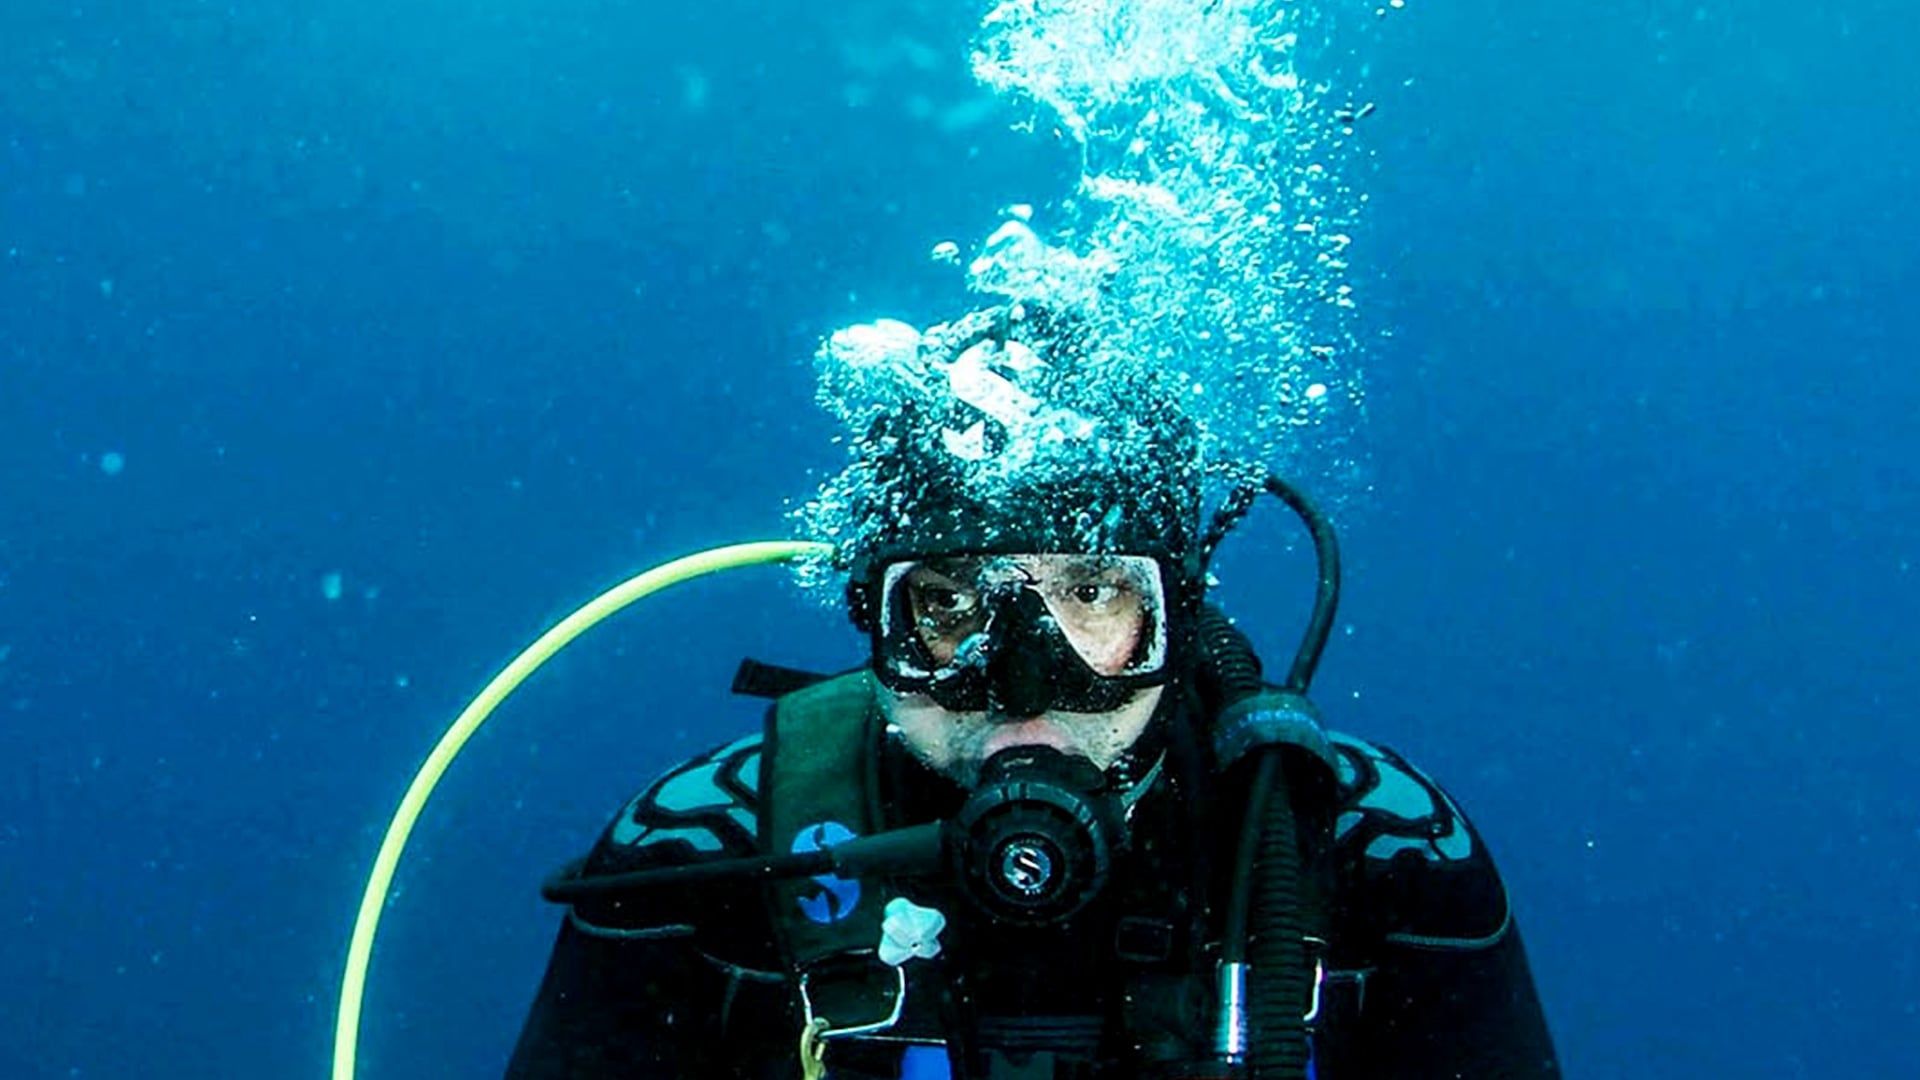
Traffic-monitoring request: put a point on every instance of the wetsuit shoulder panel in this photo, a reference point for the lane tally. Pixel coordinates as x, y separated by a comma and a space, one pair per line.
705, 808
1436, 976
678, 983
1424, 874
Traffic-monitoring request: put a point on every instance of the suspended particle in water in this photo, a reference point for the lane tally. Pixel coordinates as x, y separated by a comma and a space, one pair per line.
332, 585
112, 462
695, 88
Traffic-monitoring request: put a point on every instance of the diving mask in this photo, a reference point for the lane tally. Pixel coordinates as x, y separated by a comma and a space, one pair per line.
1022, 634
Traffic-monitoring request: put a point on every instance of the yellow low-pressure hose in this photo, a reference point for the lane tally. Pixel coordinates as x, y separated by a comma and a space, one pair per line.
346, 1032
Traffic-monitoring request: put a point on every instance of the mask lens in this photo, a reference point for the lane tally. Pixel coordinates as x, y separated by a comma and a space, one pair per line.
1108, 608
939, 615
945, 609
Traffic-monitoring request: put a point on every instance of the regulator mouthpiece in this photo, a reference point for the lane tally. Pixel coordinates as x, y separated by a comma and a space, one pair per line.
1035, 842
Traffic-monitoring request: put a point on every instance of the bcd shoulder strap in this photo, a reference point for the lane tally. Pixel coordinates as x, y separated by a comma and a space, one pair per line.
821, 786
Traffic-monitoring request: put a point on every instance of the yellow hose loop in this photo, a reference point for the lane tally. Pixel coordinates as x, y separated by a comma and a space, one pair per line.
346, 1033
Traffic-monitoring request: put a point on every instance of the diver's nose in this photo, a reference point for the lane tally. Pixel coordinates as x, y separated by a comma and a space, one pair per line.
1020, 673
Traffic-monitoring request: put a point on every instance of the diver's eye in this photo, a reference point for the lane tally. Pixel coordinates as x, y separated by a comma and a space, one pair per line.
1094, 594
940, 600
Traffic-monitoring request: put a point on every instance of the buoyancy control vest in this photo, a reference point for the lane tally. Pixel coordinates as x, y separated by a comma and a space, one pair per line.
1129, 988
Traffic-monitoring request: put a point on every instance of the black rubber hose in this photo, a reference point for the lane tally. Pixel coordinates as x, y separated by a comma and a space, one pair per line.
1235, 941
913, 850
1270, 867
1231, 670
1280, 971
1326, 601
567, 886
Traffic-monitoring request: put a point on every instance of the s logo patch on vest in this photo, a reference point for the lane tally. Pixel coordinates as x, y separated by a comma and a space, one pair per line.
836, 897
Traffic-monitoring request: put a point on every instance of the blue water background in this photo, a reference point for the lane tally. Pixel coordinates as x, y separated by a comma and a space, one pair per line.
484, 306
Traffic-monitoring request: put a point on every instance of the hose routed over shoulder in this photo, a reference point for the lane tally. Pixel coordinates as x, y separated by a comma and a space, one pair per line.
1274, 917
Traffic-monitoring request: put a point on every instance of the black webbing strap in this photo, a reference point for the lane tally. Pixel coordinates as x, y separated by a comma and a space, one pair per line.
755, 679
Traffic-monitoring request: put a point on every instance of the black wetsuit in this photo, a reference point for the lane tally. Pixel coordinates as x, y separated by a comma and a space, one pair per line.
1426, 973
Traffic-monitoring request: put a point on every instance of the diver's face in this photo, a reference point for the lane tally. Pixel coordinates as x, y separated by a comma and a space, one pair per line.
957, 744
1102, 613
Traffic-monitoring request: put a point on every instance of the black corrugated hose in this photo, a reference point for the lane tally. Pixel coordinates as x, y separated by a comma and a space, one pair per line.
1269, 899
1280, 976
1269, 914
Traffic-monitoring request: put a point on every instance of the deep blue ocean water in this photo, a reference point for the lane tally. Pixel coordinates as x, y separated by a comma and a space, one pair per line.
481, 307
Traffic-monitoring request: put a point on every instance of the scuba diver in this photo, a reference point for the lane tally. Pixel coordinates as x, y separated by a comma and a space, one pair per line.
1059, 824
